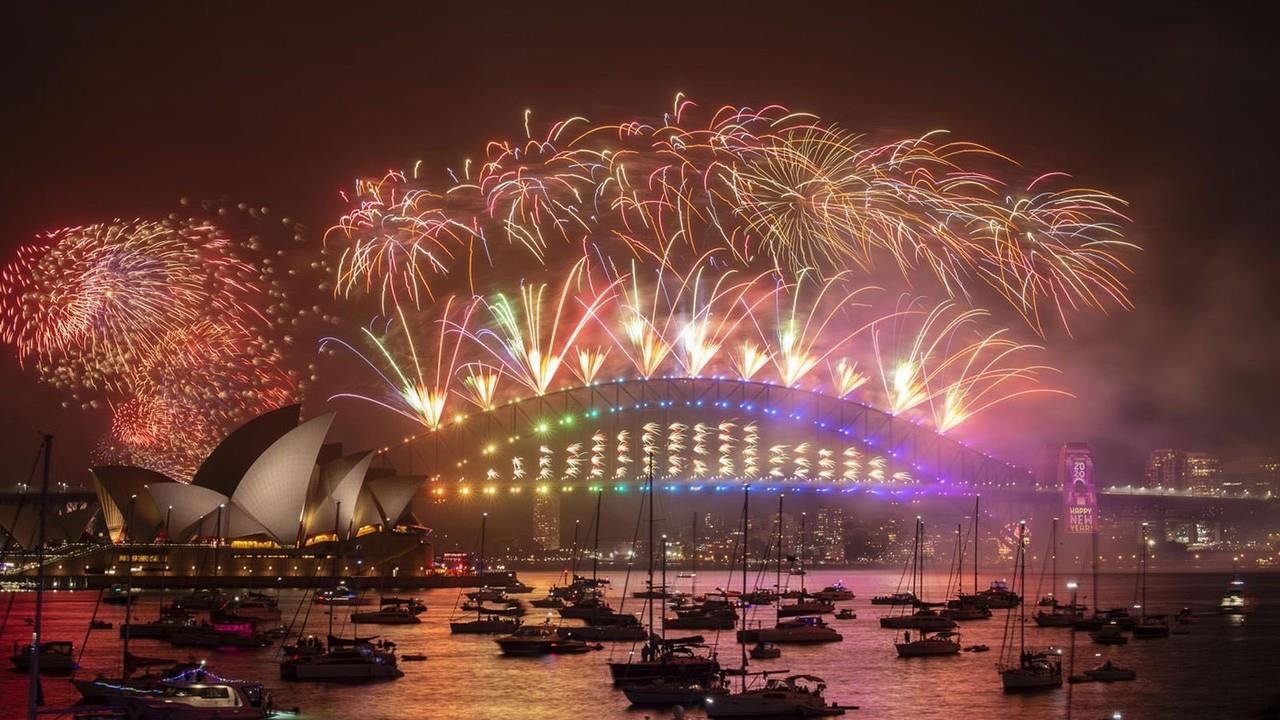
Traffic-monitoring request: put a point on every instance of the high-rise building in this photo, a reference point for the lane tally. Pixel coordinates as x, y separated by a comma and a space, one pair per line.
1166, 468
828, 535
1204, 472
546, 521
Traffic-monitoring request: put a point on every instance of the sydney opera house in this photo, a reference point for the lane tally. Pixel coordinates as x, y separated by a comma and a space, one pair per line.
272, 505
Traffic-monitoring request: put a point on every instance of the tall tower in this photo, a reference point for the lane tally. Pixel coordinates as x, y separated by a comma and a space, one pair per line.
546, 520
1075, 476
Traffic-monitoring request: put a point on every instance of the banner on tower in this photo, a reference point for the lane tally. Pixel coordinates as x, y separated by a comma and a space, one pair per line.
1075, 465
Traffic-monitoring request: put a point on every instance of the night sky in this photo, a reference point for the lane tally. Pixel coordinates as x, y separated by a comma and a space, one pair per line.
118, 110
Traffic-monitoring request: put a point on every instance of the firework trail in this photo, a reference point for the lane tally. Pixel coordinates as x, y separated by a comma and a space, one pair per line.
182, 324
776, 190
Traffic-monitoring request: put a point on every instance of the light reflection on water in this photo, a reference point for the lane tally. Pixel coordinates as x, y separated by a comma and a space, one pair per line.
1220, 669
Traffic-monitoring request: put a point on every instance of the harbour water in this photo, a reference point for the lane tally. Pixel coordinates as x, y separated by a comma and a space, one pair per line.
1221, 667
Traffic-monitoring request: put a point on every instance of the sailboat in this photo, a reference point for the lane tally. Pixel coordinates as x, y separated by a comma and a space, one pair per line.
354, 660
491, 623
805, 603
1148, 626
1059, 614
664, 661
967, 607
806, 629
924, 618
793, 696
1032, 671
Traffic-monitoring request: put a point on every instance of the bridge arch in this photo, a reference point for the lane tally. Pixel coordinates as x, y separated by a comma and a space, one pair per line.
698, 432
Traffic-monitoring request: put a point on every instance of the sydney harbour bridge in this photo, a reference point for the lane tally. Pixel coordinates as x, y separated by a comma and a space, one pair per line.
712, 435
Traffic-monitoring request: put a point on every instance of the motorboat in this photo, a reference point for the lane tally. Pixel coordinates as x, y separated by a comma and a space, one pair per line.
170, 621
548, 603
765, 651
99, 625
190, 701
834, 593
101, 689
1112, 634
515, 587
709, 615
664, 692
919, 620
1063, 616
218, 634
541, 639
56, 656
760, 597
488, 625
998, 596
1234, 601
586, 609
200, 599
340, 595
897, 598
1185, 616
846, 614
977, 648
413, 605
1034, 671
344, 661
795, 696
801, 630
806, 607
254, 606
386, 615
1108, 672
488, 594
119, 595
946, 642
961, 611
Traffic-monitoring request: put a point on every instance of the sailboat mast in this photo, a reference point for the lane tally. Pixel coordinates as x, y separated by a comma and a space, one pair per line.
742, 605
915, 555
803, 591
977, 546
337, 544
484, 522
1143, 615
693, 565
33, 686
664, 588
595, 550
1053, 550
1022, 589
1097, 594
128, 592
777, 585
649, 547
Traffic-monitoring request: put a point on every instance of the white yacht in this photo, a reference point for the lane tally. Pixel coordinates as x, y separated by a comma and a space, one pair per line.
183, 700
